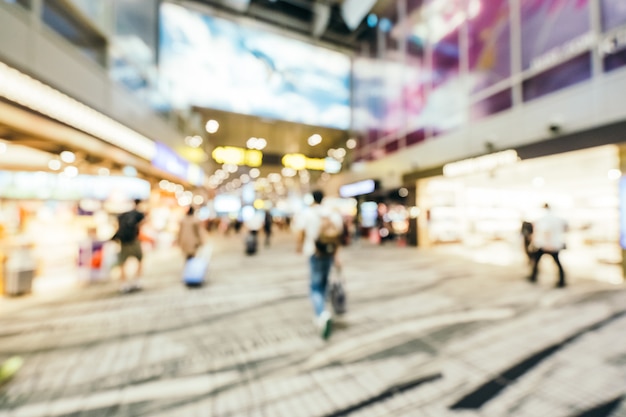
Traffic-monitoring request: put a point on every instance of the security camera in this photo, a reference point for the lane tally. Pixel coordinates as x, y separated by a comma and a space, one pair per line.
554, 128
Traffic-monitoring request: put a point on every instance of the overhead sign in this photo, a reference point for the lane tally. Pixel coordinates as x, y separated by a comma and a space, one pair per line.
237, 156
480, 164
169, 161
299, 162
357, 188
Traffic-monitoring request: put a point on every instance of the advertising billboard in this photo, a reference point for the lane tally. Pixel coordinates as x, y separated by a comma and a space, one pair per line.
554, 31
613, 14
489, 44
613, 45
215, 63
556, 43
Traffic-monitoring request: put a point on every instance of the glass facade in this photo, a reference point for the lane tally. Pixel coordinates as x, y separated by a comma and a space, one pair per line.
465, 60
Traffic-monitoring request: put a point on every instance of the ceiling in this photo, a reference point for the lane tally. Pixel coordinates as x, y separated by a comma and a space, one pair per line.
320, 20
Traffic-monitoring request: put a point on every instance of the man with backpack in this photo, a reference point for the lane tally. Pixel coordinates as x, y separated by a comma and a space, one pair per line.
319, 230
130, 246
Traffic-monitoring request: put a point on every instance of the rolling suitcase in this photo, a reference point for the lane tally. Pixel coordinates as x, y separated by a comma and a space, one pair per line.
195, 271
251, 243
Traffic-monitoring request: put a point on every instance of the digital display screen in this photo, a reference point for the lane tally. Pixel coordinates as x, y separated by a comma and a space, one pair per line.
215, 63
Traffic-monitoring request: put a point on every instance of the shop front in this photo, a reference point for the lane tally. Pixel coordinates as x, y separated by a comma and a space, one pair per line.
476, 207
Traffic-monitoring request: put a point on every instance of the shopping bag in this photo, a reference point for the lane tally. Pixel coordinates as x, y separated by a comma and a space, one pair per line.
338, 294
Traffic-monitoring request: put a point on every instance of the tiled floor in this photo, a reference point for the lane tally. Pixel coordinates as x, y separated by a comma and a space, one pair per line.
427, 334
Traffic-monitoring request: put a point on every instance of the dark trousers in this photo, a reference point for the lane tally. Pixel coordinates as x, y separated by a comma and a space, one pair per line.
555, 256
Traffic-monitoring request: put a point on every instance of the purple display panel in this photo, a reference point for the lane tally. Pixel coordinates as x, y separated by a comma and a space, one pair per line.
613, 46
613, 13
491, 105
553, 31
489, 31
393, 146
415, 137
563, 75
615, 60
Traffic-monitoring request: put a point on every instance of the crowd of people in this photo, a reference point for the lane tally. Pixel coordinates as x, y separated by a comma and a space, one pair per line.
320, 231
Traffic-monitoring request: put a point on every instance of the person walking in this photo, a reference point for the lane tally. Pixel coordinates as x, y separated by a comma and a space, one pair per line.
318, 236
189, 237
549, 238
267, 227
127, 234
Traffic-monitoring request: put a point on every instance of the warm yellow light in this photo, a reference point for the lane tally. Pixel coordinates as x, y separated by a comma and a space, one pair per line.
237, 156
194, 155
258, 204
299, 162
296, 161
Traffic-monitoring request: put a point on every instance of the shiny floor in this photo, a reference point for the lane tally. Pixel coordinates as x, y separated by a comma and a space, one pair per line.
427, 333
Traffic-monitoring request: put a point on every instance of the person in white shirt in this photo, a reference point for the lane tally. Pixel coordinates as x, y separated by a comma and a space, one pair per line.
321, 256
549, 238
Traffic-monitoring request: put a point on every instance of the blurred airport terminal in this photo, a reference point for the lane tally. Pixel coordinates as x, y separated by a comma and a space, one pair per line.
443, 133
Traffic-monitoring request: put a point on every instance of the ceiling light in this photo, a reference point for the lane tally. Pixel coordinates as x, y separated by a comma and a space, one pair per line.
314, 140
54, 164
245, 178
250, 143
274, 177
254, 173
289, 172
212, 126
104, 171
68, 157
256, 143
198, 200
351, 143
163, 184
70, 171
614, 174
194, 141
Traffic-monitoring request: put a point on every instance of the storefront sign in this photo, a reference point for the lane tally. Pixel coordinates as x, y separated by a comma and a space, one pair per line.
357, 188
299, 162
480, 164
169, 161
237, 156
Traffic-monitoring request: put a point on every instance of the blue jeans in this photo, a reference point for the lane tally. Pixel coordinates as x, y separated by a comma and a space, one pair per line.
320, 269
